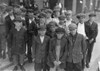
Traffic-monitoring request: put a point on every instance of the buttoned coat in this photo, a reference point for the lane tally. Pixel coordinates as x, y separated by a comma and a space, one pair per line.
91, 30
63, 52
18, 41
76, 50
39, 49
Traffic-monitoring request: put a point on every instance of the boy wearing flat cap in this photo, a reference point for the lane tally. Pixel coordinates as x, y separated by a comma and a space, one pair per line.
58, 51
81, 28
40, 48
91, 30
42, 19
48, 16
18, 44
76, 50
56, 14
51, 27
81, 24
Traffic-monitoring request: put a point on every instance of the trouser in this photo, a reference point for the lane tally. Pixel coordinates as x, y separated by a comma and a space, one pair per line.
9, 50
40, 66
29, 53
18, 59
89, 52
74, 66
29, 44
2, 46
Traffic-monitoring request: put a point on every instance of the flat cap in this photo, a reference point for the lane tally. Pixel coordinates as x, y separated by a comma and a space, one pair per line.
16, 5
23, 9
92, 15
48, 11
68, 12
57, 8
9, 8
42, 28
42, 15
60, 30
62, 17
81, 15
52, 23
18, 12
30, 10
18, 19
72, 26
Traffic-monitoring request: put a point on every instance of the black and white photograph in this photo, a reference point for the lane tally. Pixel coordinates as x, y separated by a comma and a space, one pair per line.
49, 35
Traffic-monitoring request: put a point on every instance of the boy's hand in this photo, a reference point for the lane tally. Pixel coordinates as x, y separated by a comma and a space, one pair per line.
91, 40
59, 62
33, 60
55, 63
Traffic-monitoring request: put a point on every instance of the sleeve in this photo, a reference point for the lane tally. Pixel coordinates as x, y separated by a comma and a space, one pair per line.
84, 46
33, 47
95, 32
64, 57
87, 30
51, 51
10, 38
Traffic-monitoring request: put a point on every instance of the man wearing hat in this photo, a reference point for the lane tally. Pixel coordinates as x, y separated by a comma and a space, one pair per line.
68, 15
91, 30
42, 19
18, 43
56, 14
58, 51
40, 47
76, 50
69, 19
48, 16
51, 27
81, 28
31, 31
9, 24
81, 25
62, 21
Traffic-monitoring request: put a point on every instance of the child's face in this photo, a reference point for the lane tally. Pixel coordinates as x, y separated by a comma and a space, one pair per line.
60, 35
81, 20
68, 16
42, 20
57, 14
91, 18
48, 15
52, 28
18, 24
41, 32
73, 32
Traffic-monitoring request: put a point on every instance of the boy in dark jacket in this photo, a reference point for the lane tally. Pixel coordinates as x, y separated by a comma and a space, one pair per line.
58, 51
76, 50
40, 49
18, 43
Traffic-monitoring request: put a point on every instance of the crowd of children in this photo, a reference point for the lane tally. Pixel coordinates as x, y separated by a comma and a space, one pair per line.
49, 38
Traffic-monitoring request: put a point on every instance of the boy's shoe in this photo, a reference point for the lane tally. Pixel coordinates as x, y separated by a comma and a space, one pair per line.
15, 68
87, 65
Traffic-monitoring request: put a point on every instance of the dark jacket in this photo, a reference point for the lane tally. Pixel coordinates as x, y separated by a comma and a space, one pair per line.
9, 24
91, 30
77, 49
40, 49
18, 41
63, 52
